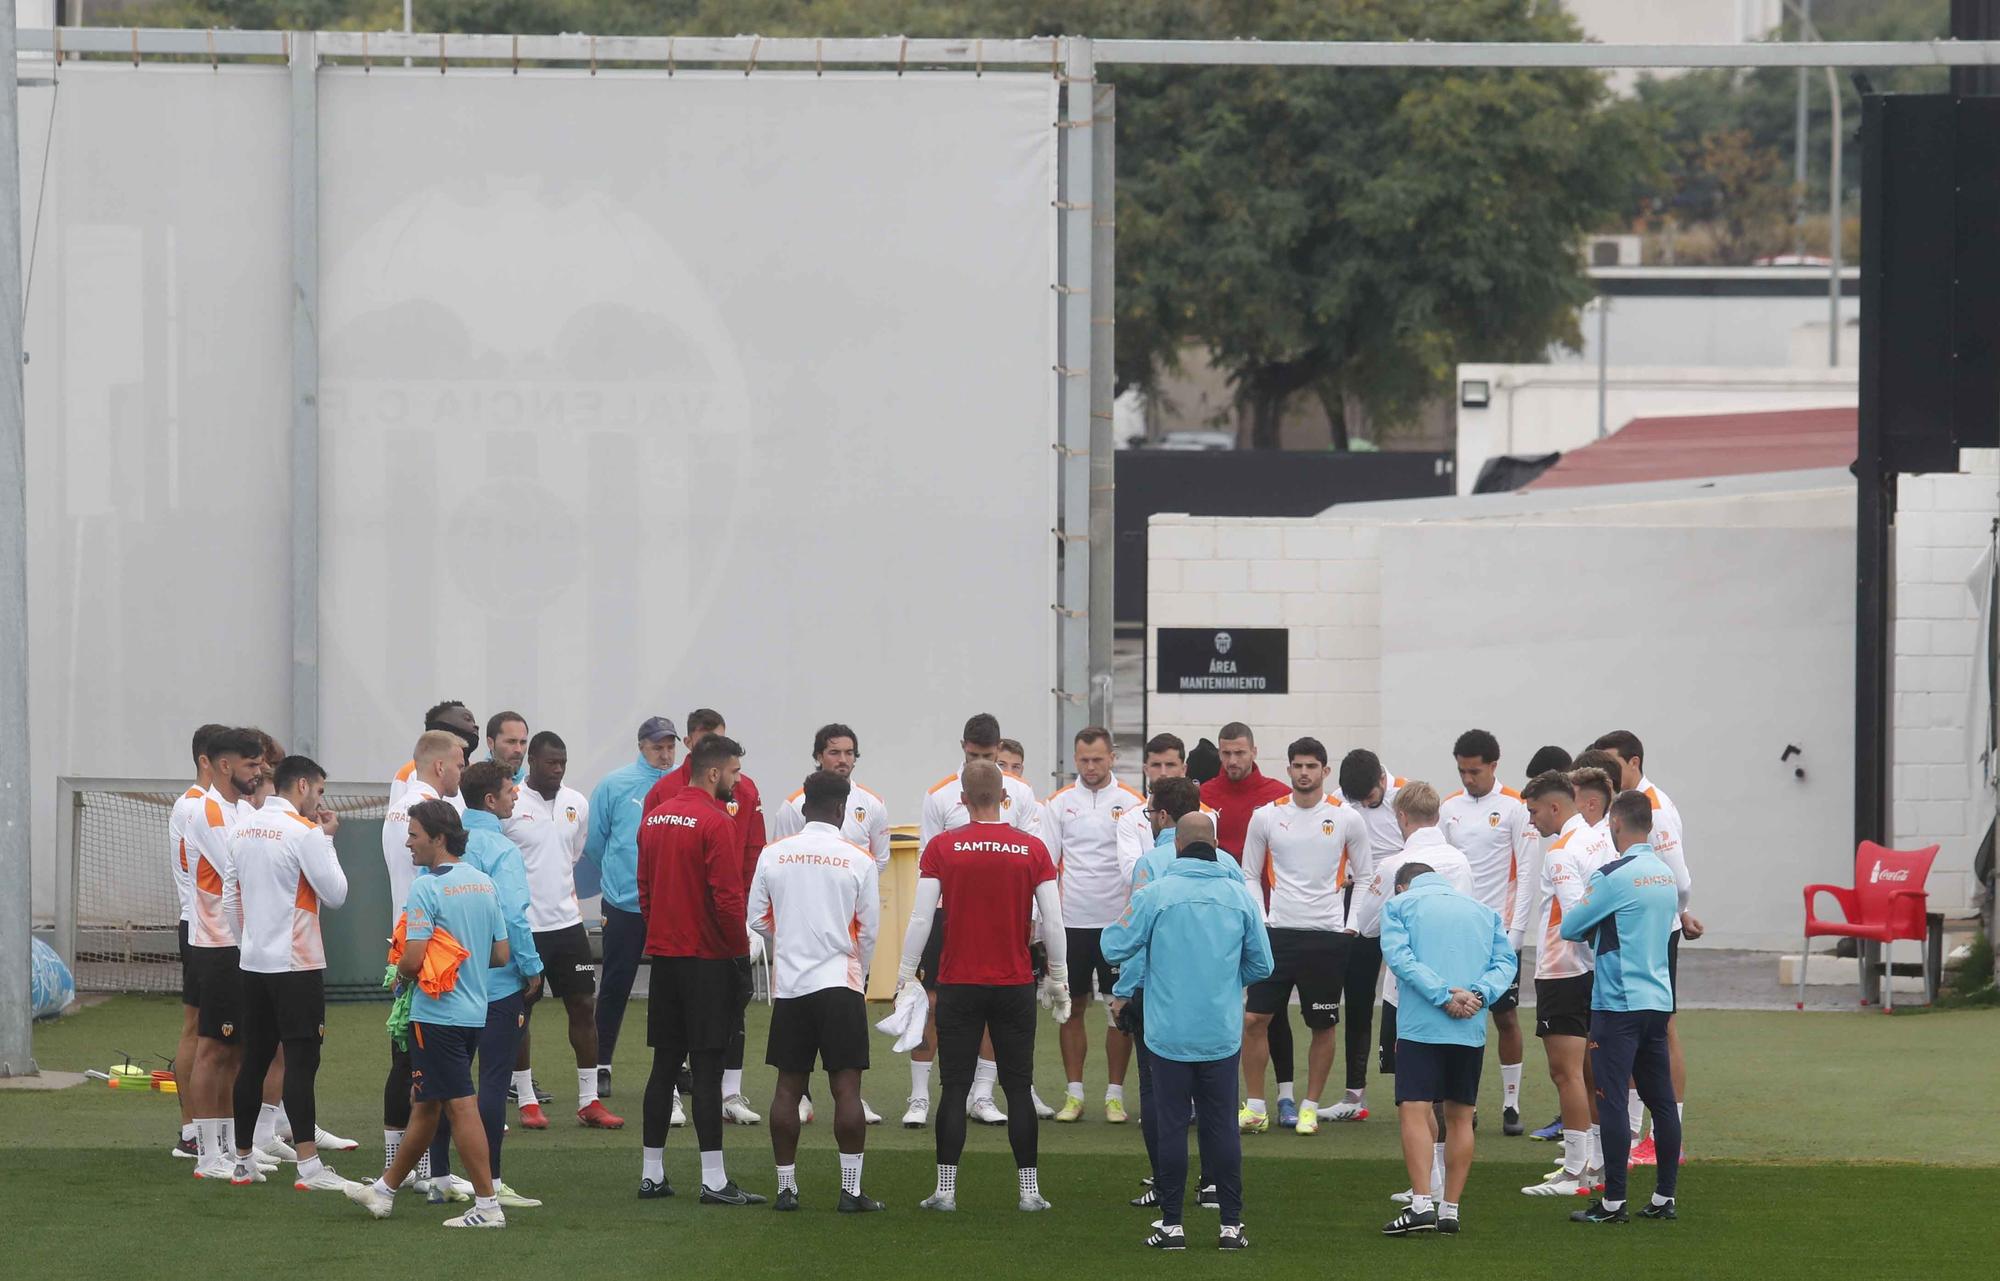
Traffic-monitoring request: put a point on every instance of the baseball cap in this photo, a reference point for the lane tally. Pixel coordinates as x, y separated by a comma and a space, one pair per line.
657, 728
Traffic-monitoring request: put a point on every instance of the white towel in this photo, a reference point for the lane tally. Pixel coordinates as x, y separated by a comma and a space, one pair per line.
906, 1021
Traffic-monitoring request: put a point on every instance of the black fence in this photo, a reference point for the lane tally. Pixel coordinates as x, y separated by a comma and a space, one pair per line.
1250, 482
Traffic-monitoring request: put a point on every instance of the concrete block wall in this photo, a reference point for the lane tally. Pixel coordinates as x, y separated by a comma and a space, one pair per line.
1943, 524
1321, 580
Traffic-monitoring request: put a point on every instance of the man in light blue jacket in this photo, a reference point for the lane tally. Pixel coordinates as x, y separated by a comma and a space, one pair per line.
488, 791
1451, 958
1185, 927
611, 848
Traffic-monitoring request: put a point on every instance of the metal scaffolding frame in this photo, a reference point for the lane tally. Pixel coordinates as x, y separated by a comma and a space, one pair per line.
1084, 286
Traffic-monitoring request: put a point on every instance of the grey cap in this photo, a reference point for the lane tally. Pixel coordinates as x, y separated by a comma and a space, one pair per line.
658, 728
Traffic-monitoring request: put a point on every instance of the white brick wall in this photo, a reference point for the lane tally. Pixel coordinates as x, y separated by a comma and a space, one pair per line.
1943, 522
1320, 581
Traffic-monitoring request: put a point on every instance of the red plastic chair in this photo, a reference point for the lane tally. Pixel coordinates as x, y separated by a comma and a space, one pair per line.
1887, 903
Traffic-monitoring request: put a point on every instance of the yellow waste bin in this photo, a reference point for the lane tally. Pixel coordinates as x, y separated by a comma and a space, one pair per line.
899, 892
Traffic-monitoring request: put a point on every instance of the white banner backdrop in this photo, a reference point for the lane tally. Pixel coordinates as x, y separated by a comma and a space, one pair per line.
638, 393
646, 393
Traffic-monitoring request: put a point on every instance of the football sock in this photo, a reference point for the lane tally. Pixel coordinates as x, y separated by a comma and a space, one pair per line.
1257, 1105
1031, 1182
1420, 1204
1609, 1204
1635, 1112
586, 1087
1662, 1200
1510, 1085
713, 1177
947, 1180
984, 1073
524, 1089
732, 1081
1114, 1092
392, 1140
850, 1173
1076, 1090
920, 1080
1284, 1092
788, 1178
653, 1164
267, 1125
189, 1134
1447, 1209
310, 1166
1576, 1151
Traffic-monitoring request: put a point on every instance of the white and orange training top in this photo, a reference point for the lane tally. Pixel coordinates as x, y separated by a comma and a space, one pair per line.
1305, 857
944, 808
1574, 853
817, 901
179, 861
287, 871
401, 781
1666, 838
865, 822
1494, 834
217, 915
396, 837
1080, 829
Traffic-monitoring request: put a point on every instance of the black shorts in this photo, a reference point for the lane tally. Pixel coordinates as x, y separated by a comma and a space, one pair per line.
441, 1061
1038, 961
965, 1011
695, 1002
1086, 958
830, 1025
927, 967
1674, 966
1511, 998
291, 1005
190, 985
1315, 962
218, 992
1562, 1006
1386, 1060
568, 969
1430, 1073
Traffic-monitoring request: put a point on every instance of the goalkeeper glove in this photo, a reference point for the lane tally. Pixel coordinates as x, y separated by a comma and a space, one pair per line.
1054, 993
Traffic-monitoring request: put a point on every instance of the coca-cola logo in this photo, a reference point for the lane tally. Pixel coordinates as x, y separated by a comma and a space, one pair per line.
1881, 873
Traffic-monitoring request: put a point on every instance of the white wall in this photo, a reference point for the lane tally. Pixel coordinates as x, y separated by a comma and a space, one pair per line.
1419, 629
1714, 331
638, 393
1943, 523
1540, 409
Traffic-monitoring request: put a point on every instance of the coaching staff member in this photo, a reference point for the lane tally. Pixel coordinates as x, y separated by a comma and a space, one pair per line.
1628, 914
1189, 925
691, 894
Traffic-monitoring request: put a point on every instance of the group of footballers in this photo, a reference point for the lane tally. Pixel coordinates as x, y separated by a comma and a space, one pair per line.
1013, 900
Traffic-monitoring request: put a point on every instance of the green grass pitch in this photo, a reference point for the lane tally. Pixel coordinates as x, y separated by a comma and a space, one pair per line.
1822, 1144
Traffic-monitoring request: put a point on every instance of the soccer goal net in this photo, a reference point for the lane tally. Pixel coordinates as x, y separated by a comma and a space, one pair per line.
125, 915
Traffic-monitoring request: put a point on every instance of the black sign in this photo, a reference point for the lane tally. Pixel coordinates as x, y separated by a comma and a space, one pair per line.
1224, 660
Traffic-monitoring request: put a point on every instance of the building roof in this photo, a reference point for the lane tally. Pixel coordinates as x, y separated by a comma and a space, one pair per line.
1648, 449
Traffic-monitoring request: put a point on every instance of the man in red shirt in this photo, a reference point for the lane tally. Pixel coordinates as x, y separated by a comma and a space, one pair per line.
1234, 795
987, 875
746, 810
691, 895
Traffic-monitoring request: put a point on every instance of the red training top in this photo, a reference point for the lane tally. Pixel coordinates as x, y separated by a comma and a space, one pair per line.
745, 806
1233, 804
988, 873
691, 879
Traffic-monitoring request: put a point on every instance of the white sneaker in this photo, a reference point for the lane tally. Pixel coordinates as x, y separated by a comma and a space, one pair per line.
736, 1111
511, 1200
214, 1166
265, 1161
478, 1218
1346, 1110
277, 1149
983, 1111
449, 1188
368, 1198
325, 1181
328, 1141
919, 1114
1593, 1177
245, 1172
1401, 1198
679, 1117
1034, 1201
870, 1115
805, 1110
1042, 1110
1560, 1183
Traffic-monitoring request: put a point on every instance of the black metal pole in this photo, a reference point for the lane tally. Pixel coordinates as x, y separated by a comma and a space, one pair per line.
1875, 513
1975, 20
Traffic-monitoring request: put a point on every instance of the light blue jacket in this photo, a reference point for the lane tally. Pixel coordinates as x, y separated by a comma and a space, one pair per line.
1203, 941
488, 849
1435, 939
617, 807
1629, 912
1151, 866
